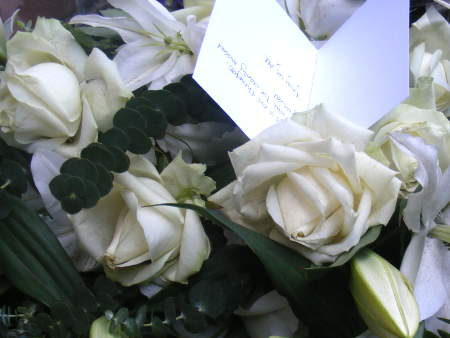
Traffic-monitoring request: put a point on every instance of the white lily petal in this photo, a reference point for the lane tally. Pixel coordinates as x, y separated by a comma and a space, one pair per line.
429, 288
420, 210
139, 61
128, 29
150, 14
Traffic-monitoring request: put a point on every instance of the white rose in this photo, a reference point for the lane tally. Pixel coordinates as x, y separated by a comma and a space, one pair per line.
430, 54
137, 242
306, 183
53, 94
415, 117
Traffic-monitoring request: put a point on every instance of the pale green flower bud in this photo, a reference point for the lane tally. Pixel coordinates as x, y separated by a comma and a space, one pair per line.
100, 329
383, 296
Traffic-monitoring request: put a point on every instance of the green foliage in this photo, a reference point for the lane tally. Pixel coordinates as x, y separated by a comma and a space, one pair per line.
145, 118
14, 170
232, 277
320, 297
35, 263
107, 44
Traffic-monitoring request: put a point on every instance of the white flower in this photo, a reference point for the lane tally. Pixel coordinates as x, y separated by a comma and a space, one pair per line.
160, 46
54, 95
430, 54
269, 315
320, 19
137, 241
306, 183
426, 260
417, 116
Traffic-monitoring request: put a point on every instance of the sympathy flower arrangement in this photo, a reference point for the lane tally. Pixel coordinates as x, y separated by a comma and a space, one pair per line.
133, 206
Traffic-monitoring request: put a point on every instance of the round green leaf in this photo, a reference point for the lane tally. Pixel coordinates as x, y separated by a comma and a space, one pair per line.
91, 194
81, 168
14, 175
181, 91
173, 108
105, 179
129, 118
156, 123
71, 205
115, 137
98, 153
139, 142
121, 160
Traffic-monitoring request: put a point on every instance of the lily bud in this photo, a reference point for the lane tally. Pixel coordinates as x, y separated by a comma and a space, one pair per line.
383, 296
100, 329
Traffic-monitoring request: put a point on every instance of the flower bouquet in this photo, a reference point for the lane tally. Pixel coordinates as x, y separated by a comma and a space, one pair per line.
133, 206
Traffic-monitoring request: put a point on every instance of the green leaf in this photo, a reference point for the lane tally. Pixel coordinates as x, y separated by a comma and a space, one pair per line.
114, 137
80, 168
156, 123
210, 297
194, 321
179, 89
99, 154
173, 108
129, 118
122, 162
14, 175
105, 179
312, 294
139, 142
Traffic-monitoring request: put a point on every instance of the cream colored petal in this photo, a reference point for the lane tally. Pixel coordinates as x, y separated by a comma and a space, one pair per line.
359, 228
105, 90
135, 275
194, 250
161, 233
95, 227
185, 181
49, 42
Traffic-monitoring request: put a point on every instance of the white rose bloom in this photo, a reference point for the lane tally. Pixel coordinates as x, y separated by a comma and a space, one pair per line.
418, 117
53, 94
160, 46
137, 242
430, 54
307, 183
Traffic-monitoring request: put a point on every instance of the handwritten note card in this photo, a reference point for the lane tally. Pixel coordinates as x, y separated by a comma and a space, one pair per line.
260, 68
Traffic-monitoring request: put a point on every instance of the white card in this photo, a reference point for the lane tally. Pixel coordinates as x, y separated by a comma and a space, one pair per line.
260, 68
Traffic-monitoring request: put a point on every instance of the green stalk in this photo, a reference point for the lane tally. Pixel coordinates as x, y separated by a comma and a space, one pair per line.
24, 271
44, 237
42, 255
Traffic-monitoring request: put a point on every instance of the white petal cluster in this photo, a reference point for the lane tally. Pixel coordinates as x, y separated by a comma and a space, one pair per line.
307, 183
137, 241
55, 96
160, 46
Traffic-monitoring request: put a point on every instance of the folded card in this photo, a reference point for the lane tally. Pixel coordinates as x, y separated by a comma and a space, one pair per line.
260, 67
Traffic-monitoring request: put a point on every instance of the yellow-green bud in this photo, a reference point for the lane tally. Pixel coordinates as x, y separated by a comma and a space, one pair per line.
383, 296
100, 329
